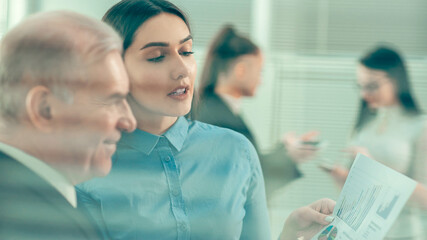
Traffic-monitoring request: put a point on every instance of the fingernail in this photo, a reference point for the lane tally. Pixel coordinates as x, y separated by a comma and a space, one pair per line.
329, 219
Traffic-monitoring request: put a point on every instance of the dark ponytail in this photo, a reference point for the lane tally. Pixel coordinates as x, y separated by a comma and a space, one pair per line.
226, 47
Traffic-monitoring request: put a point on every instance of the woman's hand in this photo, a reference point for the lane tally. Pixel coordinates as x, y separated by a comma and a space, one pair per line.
354, 150
307, 221
339, 174
296, 149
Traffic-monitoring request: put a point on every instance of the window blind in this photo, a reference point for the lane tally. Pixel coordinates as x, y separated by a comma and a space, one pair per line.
208, 16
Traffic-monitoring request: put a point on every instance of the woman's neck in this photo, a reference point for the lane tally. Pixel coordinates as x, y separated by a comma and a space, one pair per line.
223, 89
155, 125
151, 122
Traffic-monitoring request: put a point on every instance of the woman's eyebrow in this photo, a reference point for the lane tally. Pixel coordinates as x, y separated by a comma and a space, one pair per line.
165, 44
189, 37
155, 44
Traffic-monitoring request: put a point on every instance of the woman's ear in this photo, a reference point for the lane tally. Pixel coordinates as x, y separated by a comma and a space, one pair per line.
38, 106
239, 69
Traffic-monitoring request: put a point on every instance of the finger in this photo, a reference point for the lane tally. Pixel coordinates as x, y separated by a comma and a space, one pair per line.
340, 172
302, 146
327, 169
309, 135
329, 205
289, 134
318, 217
289, 138
324, 205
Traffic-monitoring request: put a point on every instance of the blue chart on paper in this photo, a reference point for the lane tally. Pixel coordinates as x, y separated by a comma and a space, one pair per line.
385, 208
330, 233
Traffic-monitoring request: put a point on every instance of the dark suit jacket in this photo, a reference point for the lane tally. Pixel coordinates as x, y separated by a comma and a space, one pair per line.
30, 208
278, 169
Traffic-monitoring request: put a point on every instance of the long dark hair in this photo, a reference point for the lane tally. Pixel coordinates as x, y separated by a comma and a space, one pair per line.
128, 15
388, 60
226, 47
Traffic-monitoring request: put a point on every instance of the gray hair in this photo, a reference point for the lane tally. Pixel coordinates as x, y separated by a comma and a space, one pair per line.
53, 49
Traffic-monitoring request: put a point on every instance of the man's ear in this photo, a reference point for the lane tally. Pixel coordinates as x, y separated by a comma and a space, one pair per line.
38, 105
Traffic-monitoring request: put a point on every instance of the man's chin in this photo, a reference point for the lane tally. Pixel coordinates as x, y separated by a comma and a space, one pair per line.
102, 170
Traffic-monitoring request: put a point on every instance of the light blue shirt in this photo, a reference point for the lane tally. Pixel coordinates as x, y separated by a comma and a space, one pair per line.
196, 181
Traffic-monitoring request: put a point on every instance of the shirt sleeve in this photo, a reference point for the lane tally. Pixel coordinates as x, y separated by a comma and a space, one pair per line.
256, 222
278, 169
92, 209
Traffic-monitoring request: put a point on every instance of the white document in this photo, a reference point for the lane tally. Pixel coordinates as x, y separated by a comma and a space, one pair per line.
370, 201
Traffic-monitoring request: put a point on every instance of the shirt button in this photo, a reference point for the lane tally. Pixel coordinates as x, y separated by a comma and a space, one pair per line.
175, 192
167, 159
183, 227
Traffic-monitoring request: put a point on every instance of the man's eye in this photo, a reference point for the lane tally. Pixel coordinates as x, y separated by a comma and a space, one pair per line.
372, 86
156, 59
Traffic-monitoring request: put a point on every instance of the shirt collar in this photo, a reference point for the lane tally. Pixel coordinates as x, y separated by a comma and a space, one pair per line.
386, 115
391, 111
49, 174
145, 142
178, 133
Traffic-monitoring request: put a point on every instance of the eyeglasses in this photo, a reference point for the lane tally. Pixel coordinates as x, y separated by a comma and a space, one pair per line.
371, 87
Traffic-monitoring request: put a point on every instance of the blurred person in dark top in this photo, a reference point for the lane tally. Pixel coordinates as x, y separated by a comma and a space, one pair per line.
232, 71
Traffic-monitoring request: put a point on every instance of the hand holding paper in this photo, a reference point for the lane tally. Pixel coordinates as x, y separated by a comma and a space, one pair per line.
307, 221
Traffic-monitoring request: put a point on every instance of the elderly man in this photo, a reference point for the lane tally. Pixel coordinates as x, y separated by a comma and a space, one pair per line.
63, 90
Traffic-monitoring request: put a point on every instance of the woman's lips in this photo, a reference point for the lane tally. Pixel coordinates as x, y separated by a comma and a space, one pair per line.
180, 93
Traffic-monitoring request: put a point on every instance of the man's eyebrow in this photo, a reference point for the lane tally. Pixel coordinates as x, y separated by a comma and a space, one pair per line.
165, 44
117, 96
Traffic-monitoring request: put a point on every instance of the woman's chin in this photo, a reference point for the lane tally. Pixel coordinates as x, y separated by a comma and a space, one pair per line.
180, 111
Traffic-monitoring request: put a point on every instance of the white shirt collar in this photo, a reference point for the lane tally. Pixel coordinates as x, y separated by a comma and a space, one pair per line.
233, 103
59, 182
391, 111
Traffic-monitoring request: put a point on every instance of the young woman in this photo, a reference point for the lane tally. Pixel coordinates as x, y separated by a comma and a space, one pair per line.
391, 129
173, 178
232, 71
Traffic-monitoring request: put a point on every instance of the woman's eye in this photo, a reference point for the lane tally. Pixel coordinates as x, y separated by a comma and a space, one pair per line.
156, 59
187, 53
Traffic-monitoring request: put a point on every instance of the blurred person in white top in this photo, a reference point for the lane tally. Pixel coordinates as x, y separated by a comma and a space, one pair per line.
391, 129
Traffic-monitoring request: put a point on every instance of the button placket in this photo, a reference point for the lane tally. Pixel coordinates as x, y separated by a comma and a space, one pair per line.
172, 172
175, 192
183, 226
